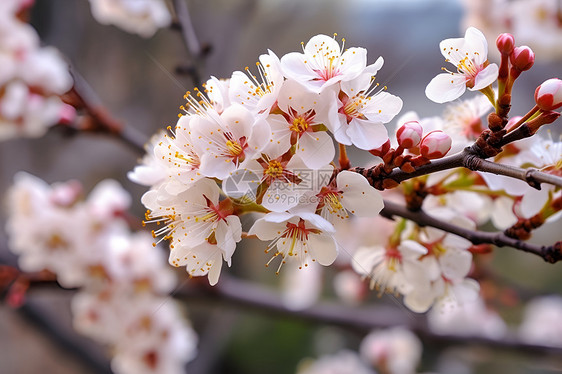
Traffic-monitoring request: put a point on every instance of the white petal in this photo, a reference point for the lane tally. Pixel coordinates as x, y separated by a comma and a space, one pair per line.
485, 77
359, 197
354, 61
446, 87
419, 300
455, 264
383, 107
366, 134
534, 200
476, 45
316, 149
502, 214
412, 249
323, 248
294, 66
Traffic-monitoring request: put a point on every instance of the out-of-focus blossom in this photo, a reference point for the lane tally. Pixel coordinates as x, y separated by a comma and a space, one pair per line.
463, 121
532, 22
343, 362
469, 319
395, 351
348, 287
31, 78
123, 277
541, 322
301, 287
142, 17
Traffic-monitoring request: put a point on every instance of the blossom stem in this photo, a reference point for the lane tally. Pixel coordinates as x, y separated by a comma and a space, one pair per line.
490, 94
343, 160
550, 254
525, 118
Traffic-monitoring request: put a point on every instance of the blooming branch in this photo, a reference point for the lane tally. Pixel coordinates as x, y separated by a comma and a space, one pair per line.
550, 254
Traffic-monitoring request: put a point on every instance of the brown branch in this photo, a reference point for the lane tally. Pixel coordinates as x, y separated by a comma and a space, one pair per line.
550, 254
246, 295
99, 120
193, 46
468, 159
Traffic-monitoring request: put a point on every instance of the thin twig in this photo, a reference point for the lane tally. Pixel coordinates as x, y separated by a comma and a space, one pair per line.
550, 254
192, 44
83, 97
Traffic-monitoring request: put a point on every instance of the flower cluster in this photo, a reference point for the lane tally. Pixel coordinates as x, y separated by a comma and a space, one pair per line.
123, 279
263, 143
31, 77
142, 17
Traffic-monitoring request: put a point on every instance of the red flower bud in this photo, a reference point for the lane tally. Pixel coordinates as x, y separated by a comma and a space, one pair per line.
435, 144
522, 58
409, 134
505, 43
548, 95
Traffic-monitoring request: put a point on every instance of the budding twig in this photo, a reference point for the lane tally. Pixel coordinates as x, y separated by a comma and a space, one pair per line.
550, 254
469, 160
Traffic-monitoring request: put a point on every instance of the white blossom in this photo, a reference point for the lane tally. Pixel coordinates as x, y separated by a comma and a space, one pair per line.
470, 57
142, 17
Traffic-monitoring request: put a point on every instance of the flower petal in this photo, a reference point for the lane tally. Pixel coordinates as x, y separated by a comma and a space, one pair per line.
359, 197
366, 134
485, 77
323, 248
445, 87
316, 149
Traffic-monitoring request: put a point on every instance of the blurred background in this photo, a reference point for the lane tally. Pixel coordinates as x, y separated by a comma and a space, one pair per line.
135, 79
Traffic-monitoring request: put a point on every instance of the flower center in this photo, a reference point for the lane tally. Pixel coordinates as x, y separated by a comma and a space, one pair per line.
234, 148
351, 108
274, 170
299, 125
56, 242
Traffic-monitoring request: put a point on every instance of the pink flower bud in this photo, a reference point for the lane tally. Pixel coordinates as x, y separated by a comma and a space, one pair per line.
409, 134
522, 58
435, 144
505, 43
548, 95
